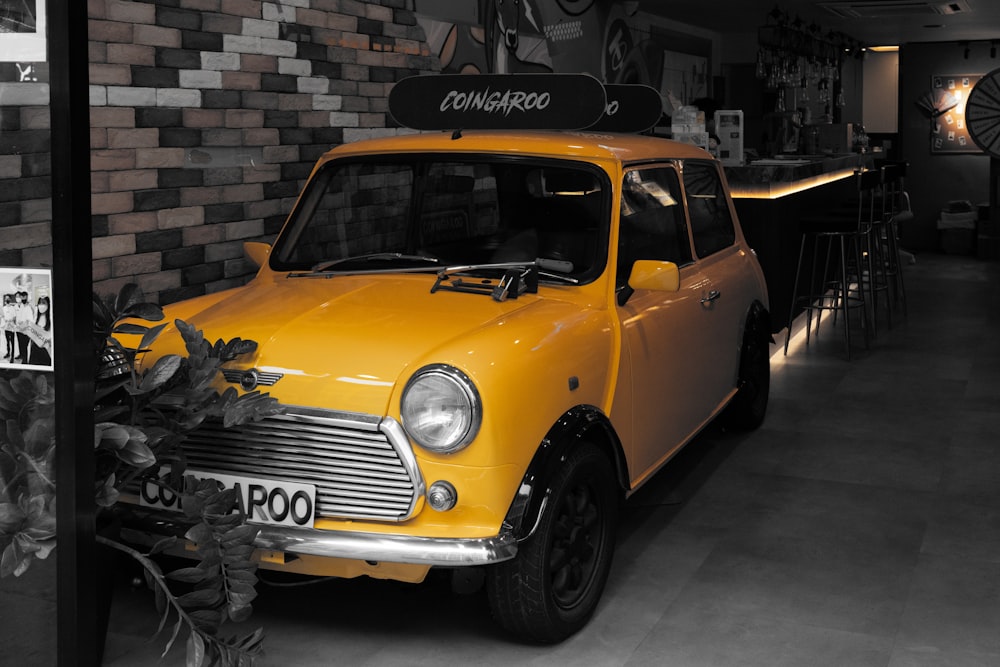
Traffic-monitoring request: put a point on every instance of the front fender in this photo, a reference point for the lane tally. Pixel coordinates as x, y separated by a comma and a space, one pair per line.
530, 367
582, 423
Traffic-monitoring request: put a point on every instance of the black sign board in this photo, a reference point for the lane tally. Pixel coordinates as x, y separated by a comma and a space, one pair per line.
497, 101
630, 108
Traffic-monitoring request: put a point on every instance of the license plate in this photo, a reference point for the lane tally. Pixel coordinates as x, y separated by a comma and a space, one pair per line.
262, 500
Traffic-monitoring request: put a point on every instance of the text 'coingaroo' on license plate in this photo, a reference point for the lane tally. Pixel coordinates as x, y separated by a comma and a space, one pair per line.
262, 500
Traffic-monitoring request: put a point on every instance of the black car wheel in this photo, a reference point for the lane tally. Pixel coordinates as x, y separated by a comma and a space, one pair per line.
551, 589
748, 407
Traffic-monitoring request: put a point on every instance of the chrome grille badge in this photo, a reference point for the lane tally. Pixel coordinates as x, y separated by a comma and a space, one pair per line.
250, 379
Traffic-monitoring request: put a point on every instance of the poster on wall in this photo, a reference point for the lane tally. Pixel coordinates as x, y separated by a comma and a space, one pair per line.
26, 318
685, 76
22, 31
944, 104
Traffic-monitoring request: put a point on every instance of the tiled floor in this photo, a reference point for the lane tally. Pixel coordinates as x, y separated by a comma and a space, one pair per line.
859, 526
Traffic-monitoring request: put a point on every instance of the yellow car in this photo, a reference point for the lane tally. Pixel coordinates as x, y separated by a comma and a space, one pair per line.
483, 341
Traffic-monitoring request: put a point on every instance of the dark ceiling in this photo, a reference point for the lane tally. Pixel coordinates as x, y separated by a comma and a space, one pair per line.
870, 22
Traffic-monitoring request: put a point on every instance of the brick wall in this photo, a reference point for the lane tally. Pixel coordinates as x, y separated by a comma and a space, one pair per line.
206, 118
25, 168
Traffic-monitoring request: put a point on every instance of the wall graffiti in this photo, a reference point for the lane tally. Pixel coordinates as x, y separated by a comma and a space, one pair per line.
523, 36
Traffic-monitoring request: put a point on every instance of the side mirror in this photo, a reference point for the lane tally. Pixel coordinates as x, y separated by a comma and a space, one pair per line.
655, 275
257, 252
650, 274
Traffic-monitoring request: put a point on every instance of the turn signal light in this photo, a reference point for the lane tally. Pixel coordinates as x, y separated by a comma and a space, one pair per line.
441, 496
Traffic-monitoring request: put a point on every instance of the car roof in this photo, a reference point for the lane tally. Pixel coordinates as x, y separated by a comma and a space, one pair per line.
559, 144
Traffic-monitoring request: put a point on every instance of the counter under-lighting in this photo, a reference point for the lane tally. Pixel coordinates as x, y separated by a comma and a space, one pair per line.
771, 195
785, 175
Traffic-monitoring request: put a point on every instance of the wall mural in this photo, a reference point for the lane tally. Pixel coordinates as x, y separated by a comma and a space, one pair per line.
523, 36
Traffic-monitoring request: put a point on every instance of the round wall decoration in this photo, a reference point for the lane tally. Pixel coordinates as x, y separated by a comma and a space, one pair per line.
982, 113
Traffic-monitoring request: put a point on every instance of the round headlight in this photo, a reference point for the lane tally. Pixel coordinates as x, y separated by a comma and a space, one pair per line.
440, 409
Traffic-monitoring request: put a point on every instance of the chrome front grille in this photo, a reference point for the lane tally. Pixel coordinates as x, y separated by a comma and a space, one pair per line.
361, 465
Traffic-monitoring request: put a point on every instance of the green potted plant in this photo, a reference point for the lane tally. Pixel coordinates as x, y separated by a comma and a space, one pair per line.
140, 421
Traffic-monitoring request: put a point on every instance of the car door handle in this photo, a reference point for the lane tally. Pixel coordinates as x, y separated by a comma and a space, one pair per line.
712, 296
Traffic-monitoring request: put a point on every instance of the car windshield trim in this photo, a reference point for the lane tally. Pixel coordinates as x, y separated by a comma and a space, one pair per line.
331, 273
383, 213
372, 256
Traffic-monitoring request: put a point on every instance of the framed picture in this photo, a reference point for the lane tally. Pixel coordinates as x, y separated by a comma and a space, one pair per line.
685, 64
22, 31
26, 325
944, 104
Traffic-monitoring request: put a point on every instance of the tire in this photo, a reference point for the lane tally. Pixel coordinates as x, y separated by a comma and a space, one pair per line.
747, 409
552, 587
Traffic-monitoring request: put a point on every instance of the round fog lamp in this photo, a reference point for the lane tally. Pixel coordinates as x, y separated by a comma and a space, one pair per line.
441, 496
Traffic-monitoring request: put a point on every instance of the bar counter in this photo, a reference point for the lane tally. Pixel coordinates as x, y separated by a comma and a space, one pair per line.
771, 195
782, 176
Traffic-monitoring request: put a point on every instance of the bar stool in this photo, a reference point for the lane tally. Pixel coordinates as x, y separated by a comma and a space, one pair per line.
877, 253
895, 212
847, 237
872, 274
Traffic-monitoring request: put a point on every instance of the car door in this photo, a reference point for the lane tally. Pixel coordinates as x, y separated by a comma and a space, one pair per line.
652, 409
721, 266
671, 378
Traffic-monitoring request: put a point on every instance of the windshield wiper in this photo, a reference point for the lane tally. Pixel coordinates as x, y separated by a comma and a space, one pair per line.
515, 278
374, 256
558, 278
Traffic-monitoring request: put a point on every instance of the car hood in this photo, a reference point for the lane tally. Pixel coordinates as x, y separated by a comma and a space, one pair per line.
345, 342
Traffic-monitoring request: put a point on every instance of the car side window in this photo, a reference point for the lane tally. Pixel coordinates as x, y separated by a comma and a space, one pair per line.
711, 220
652, 222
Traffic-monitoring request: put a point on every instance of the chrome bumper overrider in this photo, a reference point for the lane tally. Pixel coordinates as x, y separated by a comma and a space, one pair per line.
380, 547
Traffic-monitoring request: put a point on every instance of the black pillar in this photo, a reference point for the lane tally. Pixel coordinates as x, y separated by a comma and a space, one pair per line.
73, 360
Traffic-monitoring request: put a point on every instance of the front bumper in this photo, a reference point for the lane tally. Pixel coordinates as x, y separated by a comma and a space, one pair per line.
377, 547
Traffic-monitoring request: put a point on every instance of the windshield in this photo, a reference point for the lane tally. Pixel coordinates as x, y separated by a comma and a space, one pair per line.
425, 214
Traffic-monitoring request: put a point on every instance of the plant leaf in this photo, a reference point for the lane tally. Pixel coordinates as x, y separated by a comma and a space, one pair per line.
239, 612
237, 347
224, 522
151, 335
101, 315
251, 643
129, 294
221, 503
130, 328
207, 617
243, 576
109, 435
137, 454
144, 311
11, 518
241, 594
161, 372
242, 534
195, 650
106, 494
177, 629
200, 598
160, 602
199, 533
239, 553
162, 545
190, 575
11, 562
